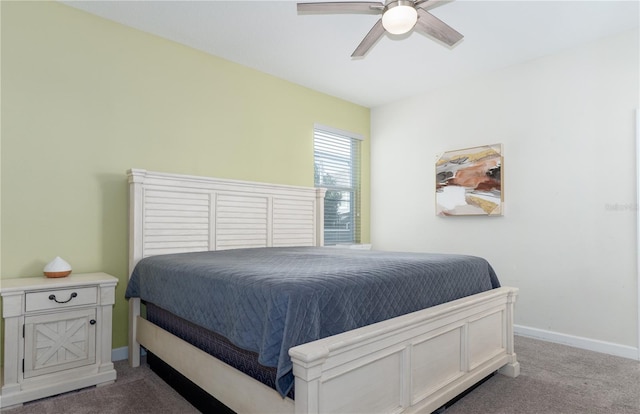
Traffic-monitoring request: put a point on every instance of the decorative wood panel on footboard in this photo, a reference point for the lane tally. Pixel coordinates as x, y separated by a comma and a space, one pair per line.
415, 362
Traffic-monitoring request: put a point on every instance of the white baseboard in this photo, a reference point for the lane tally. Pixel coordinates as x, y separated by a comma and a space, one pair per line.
579, 342
119, 354
610, 348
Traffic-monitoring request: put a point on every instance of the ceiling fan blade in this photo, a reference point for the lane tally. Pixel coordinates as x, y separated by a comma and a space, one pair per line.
342, 7
430, 4
369, 40
432, 26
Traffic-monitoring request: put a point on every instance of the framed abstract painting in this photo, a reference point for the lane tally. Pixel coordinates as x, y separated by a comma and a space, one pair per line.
469, 182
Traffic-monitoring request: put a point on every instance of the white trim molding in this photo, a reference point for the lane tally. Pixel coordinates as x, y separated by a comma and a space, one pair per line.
119, 354
589, 344
336, 131
637, 128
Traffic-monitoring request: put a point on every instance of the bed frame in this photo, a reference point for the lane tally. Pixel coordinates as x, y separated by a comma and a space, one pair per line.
415, 362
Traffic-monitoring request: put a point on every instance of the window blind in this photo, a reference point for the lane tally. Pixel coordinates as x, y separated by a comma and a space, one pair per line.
337, 168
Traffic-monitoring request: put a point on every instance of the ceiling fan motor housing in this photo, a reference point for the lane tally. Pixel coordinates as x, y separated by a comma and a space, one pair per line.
399, 16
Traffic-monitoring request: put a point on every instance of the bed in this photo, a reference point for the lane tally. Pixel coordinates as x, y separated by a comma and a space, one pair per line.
416, 360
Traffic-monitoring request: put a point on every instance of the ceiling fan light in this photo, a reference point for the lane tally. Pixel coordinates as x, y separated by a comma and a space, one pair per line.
399, 18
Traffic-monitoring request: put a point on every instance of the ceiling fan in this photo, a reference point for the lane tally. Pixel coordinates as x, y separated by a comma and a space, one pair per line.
398, 17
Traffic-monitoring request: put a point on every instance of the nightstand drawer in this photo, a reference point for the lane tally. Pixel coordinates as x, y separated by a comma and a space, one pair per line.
59, 299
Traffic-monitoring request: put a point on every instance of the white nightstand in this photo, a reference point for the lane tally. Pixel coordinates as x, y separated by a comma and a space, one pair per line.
57, 335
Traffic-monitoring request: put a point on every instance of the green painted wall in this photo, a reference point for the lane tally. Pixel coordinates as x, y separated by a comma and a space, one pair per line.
84, 99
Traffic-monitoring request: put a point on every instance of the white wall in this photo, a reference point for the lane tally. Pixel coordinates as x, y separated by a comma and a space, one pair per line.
568, 235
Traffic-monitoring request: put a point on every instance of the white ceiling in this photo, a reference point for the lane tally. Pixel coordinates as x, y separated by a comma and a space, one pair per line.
314, 50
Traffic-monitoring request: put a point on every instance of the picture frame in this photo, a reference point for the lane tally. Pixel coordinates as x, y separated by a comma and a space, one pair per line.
469, 182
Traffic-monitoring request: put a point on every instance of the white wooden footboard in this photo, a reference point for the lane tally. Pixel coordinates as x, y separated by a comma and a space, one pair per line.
416, 362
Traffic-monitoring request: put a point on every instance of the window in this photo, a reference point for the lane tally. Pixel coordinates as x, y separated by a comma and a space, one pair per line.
337, 168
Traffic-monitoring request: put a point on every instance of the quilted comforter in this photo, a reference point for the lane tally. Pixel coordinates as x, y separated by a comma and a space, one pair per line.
267, 300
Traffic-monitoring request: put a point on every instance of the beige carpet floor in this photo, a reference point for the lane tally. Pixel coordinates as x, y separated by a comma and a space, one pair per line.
558, 379
554, 379
136, 390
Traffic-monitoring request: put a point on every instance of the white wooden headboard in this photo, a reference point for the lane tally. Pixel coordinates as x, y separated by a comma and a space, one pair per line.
173, 213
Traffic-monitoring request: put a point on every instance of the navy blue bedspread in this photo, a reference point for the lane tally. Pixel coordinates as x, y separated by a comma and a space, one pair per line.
267, 300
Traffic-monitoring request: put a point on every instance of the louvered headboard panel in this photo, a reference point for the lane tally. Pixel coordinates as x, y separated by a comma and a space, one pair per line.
173, 213
241, 221
175, 221
293, 222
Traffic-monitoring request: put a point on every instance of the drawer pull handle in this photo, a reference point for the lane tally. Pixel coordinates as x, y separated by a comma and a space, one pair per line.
92, 321
53, 297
